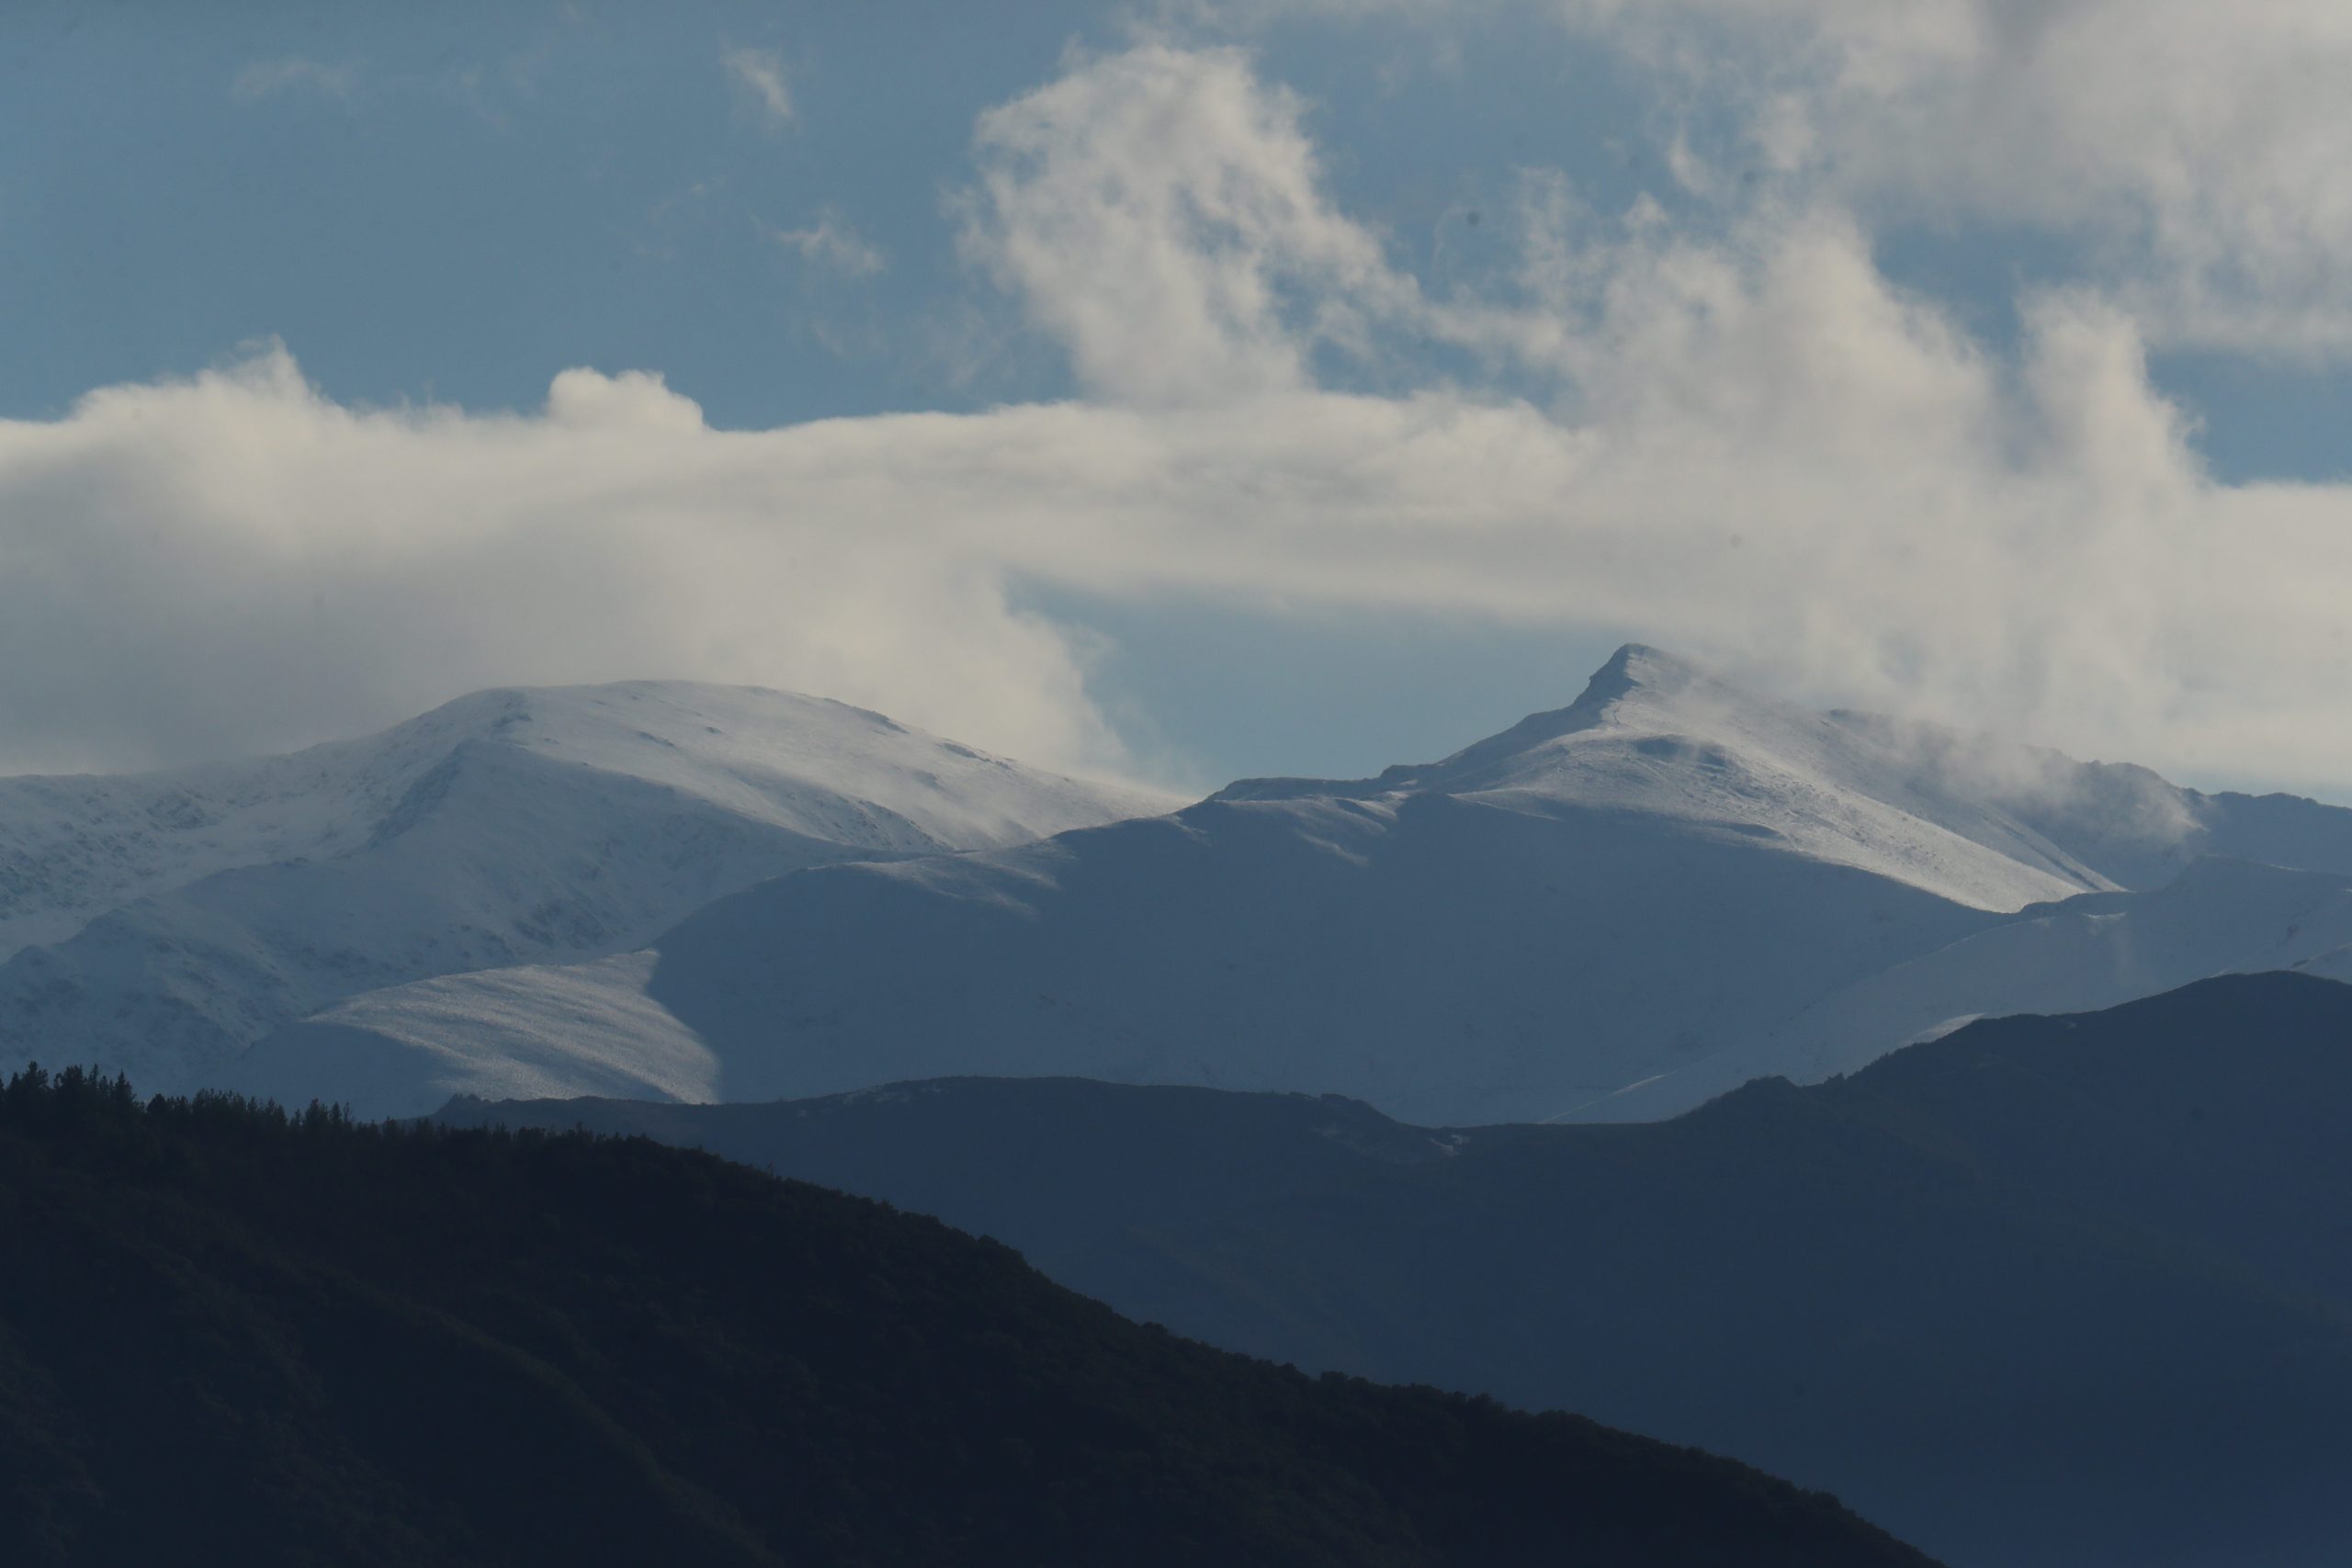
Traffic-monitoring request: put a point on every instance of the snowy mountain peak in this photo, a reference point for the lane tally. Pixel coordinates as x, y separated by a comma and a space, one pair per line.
1639, 689
1658, 736
784, 759
73, 847
1637, 668
1613, 680
1666, 875
160, 923
1636, 677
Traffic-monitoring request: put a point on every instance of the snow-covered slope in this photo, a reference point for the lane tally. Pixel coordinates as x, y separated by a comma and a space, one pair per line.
200, 908
1655, 738
1454, 960
1663, 879
2097, 951
1597, 897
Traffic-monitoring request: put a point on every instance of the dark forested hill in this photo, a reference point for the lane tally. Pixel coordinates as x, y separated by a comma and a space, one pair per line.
229, 1337
1059, 1164
2050, 1290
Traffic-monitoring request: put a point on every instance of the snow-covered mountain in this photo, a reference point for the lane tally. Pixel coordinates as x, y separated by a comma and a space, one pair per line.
162, 922
2098, 951
1659, 876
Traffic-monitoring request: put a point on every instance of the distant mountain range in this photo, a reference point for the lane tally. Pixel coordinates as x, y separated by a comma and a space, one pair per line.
225, 1338
1613, 912
161, 923
2042, 1292
1452, 1063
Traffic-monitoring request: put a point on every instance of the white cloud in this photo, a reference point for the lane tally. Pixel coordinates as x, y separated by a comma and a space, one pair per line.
267, 78
1158, 212
2201, 149
234, 563
1784, 466
830, 243
1759, 450
758, 75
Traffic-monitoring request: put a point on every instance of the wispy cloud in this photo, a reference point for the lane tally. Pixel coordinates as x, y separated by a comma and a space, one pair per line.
758, 75
294, 74
832, 243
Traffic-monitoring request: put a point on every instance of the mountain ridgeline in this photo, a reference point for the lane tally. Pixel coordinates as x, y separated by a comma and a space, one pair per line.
229, 1335
1611, 912
1631, 1061
161, 923
2045, 1292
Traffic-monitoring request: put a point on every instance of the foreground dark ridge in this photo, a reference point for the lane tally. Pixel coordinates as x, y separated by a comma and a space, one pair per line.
227, 1335
2047, 1291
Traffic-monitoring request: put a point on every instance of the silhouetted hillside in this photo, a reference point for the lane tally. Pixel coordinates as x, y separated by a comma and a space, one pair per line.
2050, 1290
1059, 1163
230, 1337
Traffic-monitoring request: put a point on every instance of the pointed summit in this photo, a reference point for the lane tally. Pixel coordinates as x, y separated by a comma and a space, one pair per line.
1635, 675
1655, 738
514, 826
1638, 667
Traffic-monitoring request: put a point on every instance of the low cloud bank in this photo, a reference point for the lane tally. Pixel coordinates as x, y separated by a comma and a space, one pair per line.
1746, 444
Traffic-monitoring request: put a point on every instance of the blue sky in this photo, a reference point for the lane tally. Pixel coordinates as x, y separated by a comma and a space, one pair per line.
423, 202
786, 212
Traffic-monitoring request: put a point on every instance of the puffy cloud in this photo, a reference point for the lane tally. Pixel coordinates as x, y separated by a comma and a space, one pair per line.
1886, 517
634, 400
234, 563
2201, 150
1757, 448
1159, 213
